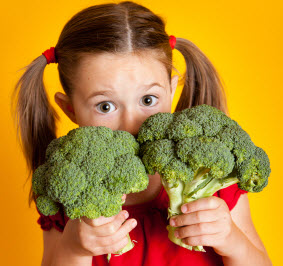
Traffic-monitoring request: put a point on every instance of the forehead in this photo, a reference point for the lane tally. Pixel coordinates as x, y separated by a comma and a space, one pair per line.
120, 69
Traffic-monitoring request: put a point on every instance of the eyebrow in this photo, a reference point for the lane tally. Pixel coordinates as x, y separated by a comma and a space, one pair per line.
107, 92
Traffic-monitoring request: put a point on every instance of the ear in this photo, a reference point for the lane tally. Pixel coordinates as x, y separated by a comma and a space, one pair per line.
65, 104
174, 83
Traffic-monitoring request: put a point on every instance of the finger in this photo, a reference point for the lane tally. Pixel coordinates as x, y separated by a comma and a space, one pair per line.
202, 204
204, 240
195, 218
106, 226
101, 220
128, 226
112, 248
198, 230
112, 227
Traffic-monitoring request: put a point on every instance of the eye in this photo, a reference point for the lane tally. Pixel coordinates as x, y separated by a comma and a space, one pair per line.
148, 100
105, 107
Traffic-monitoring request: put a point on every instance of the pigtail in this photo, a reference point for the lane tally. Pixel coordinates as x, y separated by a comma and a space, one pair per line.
34, 116
202, 84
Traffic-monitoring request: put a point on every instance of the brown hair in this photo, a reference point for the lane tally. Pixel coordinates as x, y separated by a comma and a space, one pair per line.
126, 27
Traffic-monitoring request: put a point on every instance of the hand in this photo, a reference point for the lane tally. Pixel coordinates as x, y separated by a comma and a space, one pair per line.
207, 222
93, 237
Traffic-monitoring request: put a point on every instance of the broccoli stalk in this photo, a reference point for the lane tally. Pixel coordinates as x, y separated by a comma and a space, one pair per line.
197, 152
203, 185
87, 172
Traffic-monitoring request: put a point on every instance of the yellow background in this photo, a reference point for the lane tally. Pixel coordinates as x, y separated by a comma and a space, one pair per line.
243, 39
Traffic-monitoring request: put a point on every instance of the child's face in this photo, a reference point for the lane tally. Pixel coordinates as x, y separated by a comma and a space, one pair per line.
113, 91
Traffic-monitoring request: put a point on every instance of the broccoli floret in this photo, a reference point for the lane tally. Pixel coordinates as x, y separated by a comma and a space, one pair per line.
46, 205
211, 119
124, 143
155, 128
87, 171
206, 152
253, 173
39, 183
238, 141
183, 127
162, 153
123, 178
65, 182
199, 151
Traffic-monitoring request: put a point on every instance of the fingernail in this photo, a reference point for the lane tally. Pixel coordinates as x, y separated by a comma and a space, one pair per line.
176, 234
184, 208
173, 222
134, 223
126, 214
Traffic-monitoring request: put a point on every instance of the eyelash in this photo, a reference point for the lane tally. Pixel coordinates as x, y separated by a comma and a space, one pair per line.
98, 106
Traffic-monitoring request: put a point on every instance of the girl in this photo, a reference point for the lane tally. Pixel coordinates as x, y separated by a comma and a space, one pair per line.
115, 65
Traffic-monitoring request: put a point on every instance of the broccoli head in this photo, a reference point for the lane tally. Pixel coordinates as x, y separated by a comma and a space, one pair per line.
197, 152
87, 171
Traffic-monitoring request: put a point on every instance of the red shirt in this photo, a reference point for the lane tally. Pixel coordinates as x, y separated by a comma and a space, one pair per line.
153, 246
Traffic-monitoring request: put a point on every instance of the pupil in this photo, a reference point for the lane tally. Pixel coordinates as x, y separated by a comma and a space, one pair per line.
105, 107
147, 100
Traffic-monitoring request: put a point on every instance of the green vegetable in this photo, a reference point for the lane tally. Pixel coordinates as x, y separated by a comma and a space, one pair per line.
197, 152
87, 172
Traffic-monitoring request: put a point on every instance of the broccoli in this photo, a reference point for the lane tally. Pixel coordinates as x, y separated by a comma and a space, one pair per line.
197, 152
87, 171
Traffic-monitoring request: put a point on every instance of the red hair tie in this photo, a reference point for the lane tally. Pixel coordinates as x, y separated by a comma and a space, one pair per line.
50, 55
172, 41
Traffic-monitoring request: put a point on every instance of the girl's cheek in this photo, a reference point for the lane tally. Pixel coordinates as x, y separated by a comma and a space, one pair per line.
87, 119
